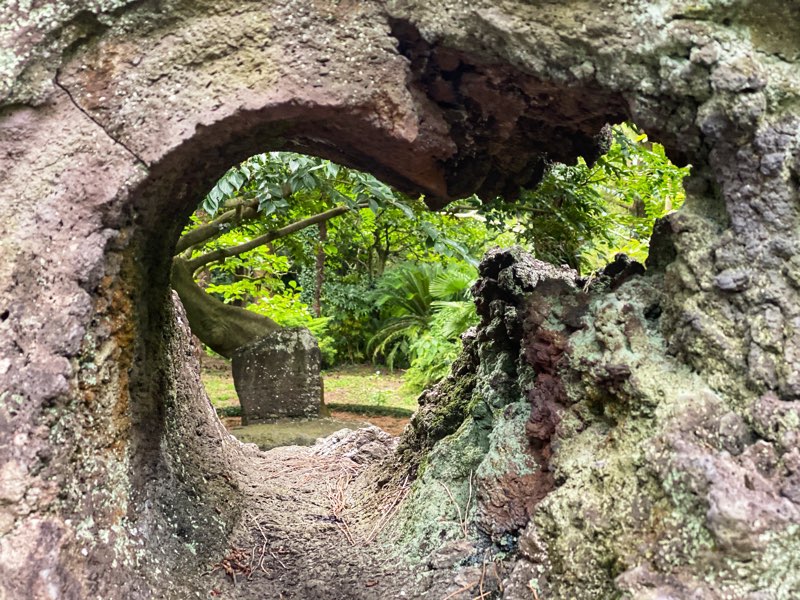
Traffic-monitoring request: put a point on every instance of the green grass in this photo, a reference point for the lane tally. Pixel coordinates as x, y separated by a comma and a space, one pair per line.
220, 389
361, 389
369, 388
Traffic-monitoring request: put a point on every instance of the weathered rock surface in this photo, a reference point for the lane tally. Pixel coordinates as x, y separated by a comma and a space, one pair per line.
661, 446
279, 376
364, 445
606, 465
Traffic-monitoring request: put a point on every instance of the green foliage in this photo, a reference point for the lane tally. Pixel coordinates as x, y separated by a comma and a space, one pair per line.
396, 275
277, 179
352, 317
405, 300
363, 245
582, 216
433, 355
383, 227
454, 317
426, 308
435, 350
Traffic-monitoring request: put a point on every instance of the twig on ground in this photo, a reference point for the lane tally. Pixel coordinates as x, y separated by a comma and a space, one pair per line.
263, 548
252, 560
462, 519
461, 590
378, 527
533, 590
483, 575
346, 531
338, 499
280, 562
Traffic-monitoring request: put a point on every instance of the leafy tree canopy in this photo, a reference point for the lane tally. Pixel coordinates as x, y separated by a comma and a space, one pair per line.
283, 232
257, 240
582, 216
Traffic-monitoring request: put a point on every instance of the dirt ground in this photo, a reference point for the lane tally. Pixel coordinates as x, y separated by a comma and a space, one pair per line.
392, 425
312, 529
315, 519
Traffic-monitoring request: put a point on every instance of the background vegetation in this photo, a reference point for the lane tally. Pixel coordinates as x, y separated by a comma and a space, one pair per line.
387, 281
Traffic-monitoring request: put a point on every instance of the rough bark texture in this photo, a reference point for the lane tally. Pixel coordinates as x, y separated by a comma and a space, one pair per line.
222, 327
319, 270
638, 438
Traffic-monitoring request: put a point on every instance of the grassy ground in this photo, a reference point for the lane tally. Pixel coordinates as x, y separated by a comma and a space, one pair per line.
366, 390
352, 393
218, 382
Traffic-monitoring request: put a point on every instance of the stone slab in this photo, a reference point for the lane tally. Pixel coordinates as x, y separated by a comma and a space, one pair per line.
279, 376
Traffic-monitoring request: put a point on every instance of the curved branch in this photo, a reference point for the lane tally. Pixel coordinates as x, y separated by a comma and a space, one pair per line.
205, 232
222, 327
270, 236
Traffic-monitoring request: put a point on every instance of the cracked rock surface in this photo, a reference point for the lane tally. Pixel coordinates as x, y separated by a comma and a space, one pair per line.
635, 435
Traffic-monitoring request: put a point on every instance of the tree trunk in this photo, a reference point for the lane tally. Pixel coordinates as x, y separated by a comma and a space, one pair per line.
221, 327
320, 269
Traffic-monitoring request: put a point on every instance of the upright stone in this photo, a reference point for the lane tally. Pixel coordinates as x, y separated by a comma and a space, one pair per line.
278, 375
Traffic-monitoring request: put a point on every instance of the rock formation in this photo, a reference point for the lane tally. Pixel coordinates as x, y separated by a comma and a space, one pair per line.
604, 463
279, 376
659, 456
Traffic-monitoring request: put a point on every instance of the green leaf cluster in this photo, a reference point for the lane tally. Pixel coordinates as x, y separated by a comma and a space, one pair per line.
425, 309
396, 275
381, 228
583, 216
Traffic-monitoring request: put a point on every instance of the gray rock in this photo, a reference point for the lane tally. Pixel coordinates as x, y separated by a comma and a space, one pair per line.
732, 280
451, 554
279, 376
362, 445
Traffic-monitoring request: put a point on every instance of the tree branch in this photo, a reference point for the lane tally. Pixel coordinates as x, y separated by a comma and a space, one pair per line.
222, 327
223, 253
212, 229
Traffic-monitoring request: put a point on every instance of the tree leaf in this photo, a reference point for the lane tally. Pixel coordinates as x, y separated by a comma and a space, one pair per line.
225, 187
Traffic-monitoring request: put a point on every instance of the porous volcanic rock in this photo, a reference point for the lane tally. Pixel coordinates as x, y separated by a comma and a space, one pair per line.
661, 446
278, 376
608, 466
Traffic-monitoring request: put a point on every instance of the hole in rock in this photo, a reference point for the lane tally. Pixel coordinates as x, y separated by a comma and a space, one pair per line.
382, 284
378, 282
285, 240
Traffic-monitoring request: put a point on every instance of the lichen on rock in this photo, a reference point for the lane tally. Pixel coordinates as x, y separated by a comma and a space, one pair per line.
659, 456
630, 473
